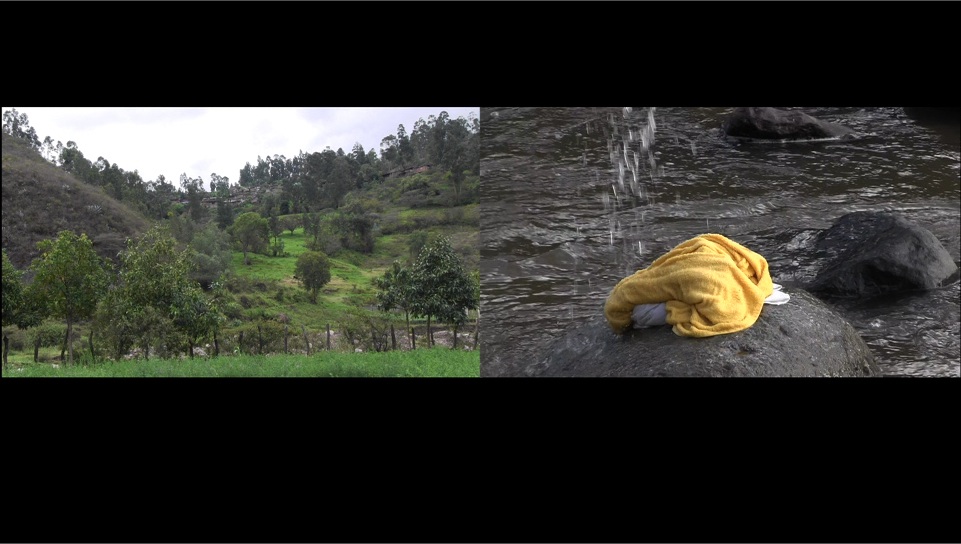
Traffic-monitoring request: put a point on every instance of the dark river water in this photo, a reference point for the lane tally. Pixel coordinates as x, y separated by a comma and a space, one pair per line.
572, 202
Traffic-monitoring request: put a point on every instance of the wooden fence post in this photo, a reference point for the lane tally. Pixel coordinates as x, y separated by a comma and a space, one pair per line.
413, 343
306, 340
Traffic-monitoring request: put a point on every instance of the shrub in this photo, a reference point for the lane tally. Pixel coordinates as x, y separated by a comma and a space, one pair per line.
453, 216
270, 332
49, 335
233, 310
18, 338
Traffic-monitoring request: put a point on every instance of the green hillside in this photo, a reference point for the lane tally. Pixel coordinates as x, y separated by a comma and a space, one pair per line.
39, 200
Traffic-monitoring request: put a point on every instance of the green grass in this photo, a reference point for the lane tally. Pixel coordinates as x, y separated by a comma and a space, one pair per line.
435, 362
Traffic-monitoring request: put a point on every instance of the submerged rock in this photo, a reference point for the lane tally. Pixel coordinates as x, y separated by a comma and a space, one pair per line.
774, 124
872, 253
803, 337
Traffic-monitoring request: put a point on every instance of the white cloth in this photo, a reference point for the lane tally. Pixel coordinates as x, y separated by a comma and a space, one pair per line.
653, 315
778, 297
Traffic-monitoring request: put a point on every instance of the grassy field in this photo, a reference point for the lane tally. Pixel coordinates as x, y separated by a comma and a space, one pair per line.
351, 274
436, 362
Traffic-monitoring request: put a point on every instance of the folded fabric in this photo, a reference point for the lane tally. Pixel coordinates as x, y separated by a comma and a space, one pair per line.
778, 297
649, 315
655, 315
710, 285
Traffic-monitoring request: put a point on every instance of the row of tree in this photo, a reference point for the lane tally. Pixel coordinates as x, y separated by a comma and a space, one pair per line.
149, 295
435, 285
150, 298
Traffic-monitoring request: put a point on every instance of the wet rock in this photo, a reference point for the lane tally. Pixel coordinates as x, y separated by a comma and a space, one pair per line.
774, 124
803, 337
872, 253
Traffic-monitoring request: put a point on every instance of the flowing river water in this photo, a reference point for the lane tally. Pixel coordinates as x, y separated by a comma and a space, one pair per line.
575, 199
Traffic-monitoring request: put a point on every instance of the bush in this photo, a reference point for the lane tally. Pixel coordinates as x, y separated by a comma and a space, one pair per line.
18, 338
414, 199
233, 310
271, 332
369, 331
425, 222
453, 216
237, 284
328, 245
49, 335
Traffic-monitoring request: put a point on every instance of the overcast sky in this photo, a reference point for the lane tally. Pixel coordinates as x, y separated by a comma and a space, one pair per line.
198, 141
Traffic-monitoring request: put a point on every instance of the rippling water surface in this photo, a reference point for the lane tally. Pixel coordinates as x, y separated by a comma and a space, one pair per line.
572, 202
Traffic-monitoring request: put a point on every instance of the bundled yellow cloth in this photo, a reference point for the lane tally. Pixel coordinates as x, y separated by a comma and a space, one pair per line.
711, 285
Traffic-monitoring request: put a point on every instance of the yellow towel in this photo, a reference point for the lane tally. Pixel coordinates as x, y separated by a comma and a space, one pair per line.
711, 285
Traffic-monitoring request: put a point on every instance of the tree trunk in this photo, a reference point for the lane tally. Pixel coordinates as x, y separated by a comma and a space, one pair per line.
216, 346
93, 355
393, 339
246, 260
6, 348
69, 344
454, 345
240, 342
430, 338
328, 337
306, 341
409, 331
190, 346
63, 350
285, 339
476, 327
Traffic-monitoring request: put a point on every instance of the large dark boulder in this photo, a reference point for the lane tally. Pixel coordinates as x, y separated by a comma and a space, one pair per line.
872, 253
774, 124
803, 337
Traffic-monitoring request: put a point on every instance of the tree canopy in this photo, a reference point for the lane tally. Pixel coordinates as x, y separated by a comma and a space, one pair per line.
71, 278
313, 272
250, 233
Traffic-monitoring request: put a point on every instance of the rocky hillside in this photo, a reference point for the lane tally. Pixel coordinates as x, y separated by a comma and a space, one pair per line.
39, 200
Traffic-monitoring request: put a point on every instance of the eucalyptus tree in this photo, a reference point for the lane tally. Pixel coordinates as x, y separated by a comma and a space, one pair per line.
18, 125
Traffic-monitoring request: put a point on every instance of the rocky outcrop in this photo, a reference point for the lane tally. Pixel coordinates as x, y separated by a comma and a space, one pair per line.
872, 253
774, 124
803, 337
